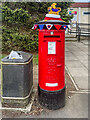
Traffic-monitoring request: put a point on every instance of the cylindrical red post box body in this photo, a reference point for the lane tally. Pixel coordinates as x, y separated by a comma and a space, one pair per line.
52, 68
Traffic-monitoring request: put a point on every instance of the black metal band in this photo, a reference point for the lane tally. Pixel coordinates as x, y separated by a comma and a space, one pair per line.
51, 100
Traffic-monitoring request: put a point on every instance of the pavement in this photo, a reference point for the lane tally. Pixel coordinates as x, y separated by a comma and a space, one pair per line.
76, 62
76, 107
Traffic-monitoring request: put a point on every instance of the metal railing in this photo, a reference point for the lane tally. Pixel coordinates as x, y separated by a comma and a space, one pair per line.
80, 29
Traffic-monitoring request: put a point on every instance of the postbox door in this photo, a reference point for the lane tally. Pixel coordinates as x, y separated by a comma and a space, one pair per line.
55, 65
52, 66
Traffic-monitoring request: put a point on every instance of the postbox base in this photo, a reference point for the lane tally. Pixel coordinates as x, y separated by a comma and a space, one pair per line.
51, 100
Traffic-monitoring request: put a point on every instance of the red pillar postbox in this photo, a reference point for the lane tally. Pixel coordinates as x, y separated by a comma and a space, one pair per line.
51, 84
52, 68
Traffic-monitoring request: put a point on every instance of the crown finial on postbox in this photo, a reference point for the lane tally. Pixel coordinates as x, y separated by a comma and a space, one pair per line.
53, 9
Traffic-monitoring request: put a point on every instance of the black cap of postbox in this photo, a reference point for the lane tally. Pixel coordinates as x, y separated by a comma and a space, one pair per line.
59, 22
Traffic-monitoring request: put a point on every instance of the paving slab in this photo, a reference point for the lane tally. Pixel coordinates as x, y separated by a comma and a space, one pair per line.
80, 71
35, 76
66, 49
76, 107
82, 57
77, 63
82, 82
68, 53
79, 53
70, 57
85, 42
85, 63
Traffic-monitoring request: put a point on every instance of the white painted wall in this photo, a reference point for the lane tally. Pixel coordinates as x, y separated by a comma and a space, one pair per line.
80, 18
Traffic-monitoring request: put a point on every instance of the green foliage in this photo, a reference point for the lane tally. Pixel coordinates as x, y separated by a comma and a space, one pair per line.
16, 12
36, 7
13, 40
2, 56
14, 16
35, 58
19, 17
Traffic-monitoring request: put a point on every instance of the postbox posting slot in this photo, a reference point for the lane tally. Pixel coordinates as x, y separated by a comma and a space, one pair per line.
49, 36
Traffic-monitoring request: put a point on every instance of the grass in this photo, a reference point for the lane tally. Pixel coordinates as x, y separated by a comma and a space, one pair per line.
2, 56
35, 58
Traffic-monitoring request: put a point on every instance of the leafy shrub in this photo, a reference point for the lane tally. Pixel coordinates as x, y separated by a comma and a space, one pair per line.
12, 40
14, 16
